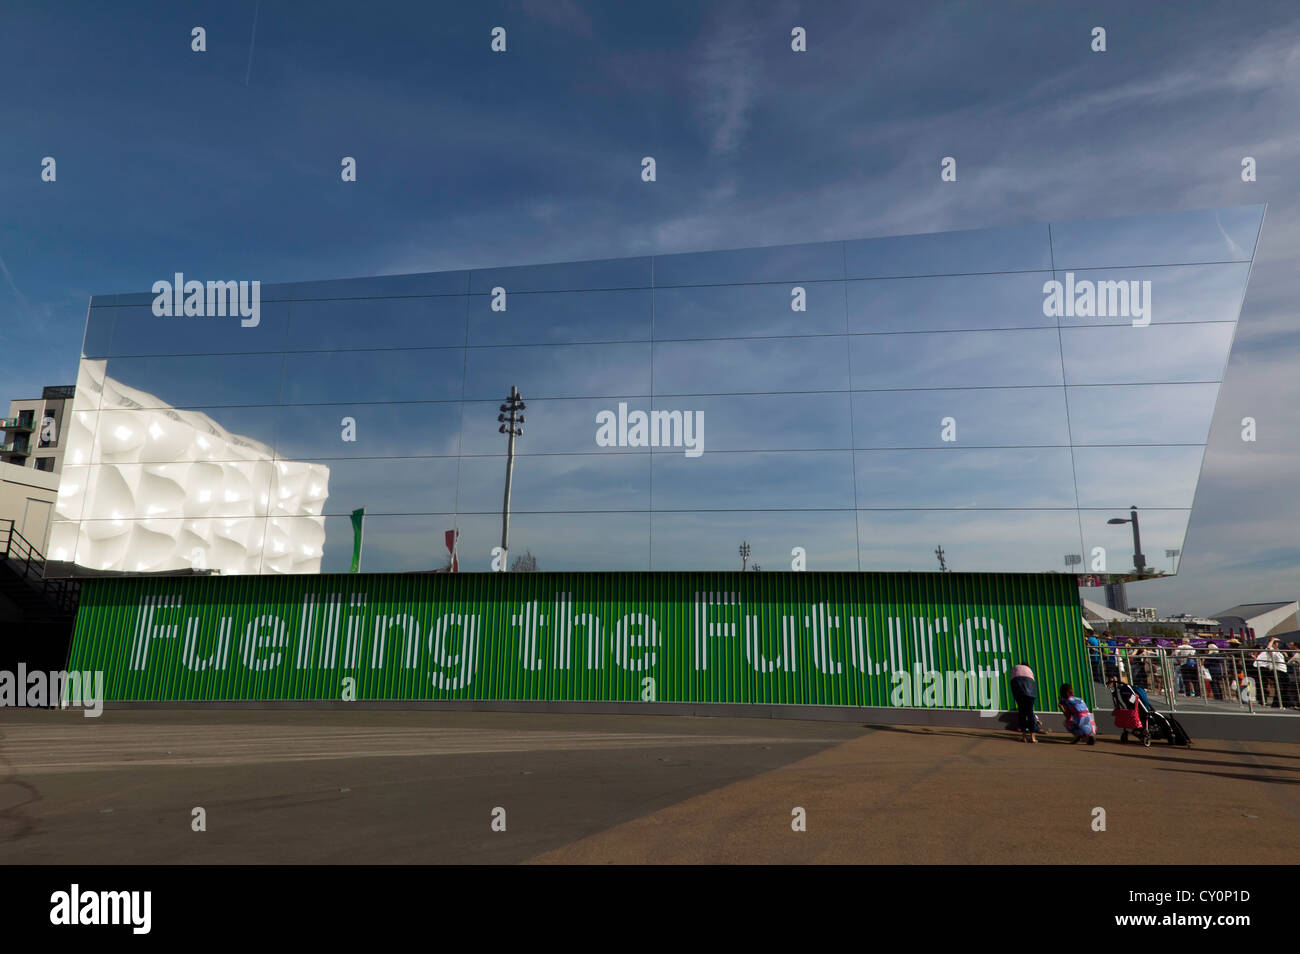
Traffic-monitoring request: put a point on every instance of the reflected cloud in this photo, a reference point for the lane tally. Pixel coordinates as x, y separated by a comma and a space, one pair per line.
851, 408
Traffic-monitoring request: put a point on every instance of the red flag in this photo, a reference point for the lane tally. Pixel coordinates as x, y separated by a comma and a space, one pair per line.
450, 537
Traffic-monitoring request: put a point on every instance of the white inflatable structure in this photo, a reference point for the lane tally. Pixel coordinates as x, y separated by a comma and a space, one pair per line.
148, 488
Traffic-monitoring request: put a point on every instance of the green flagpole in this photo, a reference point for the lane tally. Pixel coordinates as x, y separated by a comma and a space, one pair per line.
358, 518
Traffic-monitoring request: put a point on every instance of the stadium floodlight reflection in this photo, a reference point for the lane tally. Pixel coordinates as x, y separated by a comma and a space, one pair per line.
820, 399
511, 420
1139, 561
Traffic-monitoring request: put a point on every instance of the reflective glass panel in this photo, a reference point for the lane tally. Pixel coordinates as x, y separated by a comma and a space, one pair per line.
1142, 414
377, 323
559, 541
956, 359
563, 483
949, 303
1174, 294
159, 435
1171, 238
334, 377
710, 540
98, 339
811, 480
392, 485
564, 276
71, 499
561, 317
868, 401
1019, 248
744, 422
555, 371
1160, 530
193, 380
229, 545
556, 426
390, 544
1124, 477
823, 261
748, 311
178, 489
980, 417
415, 429
973, 541
754, 365
1156, 354
137, 331
965, 478
383, 286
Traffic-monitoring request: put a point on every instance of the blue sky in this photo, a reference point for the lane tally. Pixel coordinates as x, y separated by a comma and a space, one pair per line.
227, 163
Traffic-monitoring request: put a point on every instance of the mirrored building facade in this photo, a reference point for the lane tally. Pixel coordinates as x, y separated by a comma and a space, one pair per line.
866, 401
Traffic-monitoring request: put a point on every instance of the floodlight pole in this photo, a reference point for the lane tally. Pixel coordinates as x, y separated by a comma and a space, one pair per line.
1139, 561
511, 420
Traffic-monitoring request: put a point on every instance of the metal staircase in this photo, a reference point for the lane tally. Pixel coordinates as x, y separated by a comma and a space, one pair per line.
23, 583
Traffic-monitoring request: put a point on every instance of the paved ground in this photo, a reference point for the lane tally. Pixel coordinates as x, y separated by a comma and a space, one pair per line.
369, 786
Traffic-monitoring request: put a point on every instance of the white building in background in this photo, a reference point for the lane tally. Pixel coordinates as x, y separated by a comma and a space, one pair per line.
1281, 619
148, 488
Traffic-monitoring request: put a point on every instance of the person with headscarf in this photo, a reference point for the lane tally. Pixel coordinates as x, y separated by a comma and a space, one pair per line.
1078, 720
1025, 690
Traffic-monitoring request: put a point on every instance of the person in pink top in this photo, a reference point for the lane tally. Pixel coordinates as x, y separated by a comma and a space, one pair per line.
1025, 690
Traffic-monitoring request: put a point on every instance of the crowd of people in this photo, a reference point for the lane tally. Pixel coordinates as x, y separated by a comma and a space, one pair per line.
1211, 667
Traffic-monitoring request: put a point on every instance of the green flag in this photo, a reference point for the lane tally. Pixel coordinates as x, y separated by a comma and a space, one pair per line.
358, 517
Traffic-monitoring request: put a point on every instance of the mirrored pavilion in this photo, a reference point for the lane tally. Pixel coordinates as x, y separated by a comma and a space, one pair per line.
866, 400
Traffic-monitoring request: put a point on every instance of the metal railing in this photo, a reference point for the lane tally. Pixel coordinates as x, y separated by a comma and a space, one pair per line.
1246, 679
28, 563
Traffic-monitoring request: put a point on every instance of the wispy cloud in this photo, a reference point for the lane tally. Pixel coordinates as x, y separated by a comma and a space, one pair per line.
9, 280
726, 80
565, 14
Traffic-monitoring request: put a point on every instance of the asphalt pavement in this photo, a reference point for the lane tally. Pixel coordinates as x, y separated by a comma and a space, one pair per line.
325, 787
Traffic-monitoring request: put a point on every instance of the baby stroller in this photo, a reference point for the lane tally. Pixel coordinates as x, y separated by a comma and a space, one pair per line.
1133, 715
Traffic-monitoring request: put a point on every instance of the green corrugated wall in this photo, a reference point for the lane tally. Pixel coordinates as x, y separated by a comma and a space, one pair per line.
796, 638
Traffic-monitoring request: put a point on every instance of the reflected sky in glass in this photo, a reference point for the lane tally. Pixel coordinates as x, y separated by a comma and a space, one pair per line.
915, 392
1173, 238
948, 303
